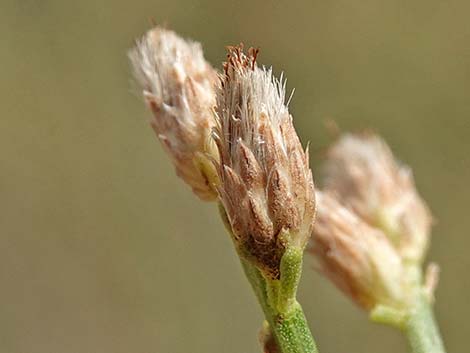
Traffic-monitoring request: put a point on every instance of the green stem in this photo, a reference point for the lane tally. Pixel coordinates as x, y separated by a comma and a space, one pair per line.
290, 329
283, 313
292, 332
422, 330
416, 319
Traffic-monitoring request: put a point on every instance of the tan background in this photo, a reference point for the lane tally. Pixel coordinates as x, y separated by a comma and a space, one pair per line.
103, 250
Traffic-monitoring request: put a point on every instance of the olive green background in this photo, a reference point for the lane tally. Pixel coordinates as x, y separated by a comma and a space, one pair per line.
103, 249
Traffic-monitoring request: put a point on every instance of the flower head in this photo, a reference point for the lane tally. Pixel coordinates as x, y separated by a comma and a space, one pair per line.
179, 87
266, 185
358, 258
362, 171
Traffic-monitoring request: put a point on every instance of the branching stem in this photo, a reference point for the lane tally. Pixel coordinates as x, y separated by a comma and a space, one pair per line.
289, 328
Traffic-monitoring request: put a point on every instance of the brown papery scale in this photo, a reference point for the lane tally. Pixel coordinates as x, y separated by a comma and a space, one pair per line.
266, 185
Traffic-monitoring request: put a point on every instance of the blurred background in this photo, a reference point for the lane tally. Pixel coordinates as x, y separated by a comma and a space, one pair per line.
103, 249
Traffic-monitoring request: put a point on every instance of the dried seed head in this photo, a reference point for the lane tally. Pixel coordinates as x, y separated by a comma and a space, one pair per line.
179, 87
361, 170
358, 258
266, 185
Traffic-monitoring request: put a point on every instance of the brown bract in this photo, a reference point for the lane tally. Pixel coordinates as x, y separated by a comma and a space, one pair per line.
266, 185
179, 87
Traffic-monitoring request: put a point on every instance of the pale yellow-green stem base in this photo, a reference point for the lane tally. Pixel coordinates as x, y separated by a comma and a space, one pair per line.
417, 323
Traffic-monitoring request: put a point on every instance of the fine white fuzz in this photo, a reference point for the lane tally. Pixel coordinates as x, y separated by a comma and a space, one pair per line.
250, 102
179, 87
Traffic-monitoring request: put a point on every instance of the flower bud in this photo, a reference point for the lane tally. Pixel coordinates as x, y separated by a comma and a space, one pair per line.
362, 171
266, 185
357, 258
179, 87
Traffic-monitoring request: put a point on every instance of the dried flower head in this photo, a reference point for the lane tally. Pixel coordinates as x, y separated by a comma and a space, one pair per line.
179, 87
358, 258
362, 171
266, 185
